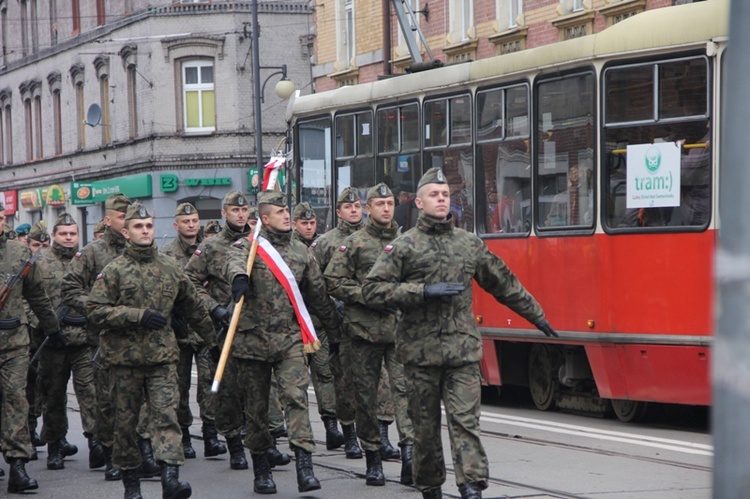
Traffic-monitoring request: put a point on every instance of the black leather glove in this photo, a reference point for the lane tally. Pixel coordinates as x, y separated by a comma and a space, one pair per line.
215, 354
240, 287
334, 348
57, 340
438, 289
179, 325
222, 315
153, 320
546, 328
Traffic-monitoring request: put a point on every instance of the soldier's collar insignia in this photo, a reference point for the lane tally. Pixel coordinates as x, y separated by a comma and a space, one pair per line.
389, 247
342, 248
383, 190
440, 176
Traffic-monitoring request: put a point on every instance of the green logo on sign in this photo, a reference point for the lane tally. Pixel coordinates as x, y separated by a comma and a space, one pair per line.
168, 183
653, 159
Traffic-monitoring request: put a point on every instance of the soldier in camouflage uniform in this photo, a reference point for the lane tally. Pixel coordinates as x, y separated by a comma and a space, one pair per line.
187, 224
268, 340
304, 224
56, 365
427, 273
139, 344
76, 285
212, 228
99, 229
14, 356
373, 333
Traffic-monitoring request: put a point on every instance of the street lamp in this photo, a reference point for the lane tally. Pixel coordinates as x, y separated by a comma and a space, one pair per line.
284, 89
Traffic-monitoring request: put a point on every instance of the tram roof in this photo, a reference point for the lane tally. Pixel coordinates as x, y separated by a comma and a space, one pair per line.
679, 26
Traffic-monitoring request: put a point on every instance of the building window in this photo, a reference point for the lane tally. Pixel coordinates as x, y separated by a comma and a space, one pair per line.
75, 11
4, 27
8, 134
2, 138
53, 21
104, 99
346, 40
80, 116
29, 128
515, 8
462, 16
199, 109
101, 17
38, 143
577, 6
57, 120
132, 103
24, 29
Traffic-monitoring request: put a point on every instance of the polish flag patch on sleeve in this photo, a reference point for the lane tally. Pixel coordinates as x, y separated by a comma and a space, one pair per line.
342, 248
99, 276
198, 252
78, 255
315, 243
389, 247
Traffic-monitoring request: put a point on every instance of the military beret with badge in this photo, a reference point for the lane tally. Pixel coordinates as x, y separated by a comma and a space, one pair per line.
379, 191
185, 209
304, 211
117, 202
348, 195
137, 211
235, 198
434, 175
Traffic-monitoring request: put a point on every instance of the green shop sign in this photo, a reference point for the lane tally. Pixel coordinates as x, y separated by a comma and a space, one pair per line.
170, 183
137, 186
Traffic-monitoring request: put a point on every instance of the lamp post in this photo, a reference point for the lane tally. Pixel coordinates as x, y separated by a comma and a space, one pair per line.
284, 88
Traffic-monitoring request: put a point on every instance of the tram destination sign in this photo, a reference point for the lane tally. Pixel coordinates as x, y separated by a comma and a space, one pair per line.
653, 177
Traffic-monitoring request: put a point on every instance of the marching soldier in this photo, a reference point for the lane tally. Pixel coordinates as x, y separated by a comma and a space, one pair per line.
99, 229
14, 348
77, 283
427, 273
139, 344
269, 336
187, 224
57, 364
305, 226
373, 333
212, 228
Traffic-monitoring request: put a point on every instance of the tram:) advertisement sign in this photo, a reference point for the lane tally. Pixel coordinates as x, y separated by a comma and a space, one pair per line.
653, 175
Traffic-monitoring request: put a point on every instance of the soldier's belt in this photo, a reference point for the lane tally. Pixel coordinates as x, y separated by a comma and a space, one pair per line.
74, 320
11, 323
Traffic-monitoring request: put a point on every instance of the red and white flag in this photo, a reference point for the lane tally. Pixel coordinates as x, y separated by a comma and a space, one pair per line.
271, 172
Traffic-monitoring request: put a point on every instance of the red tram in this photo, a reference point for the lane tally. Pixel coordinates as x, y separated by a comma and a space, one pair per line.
591, 167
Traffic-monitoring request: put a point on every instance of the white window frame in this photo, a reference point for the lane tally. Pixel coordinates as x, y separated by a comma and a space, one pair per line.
462, 18
515, 10
200, 87
577, 6
350, 38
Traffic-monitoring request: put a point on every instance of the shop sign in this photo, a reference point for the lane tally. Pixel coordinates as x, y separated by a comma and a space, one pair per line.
253, 180
55, 196
137, 186
32, 199
11, 202
170, 183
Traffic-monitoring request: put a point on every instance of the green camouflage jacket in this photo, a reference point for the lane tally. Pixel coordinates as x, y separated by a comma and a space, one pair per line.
142, 279
13, 255
86, 265
441, 331
181, 250
54, 264
268, 329
207, 265
345, 274
324, 246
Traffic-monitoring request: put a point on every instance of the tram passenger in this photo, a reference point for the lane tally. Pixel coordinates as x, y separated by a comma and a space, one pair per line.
427, 273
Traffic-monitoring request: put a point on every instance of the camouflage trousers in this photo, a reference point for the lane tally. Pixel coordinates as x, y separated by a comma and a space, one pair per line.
155, 386
322, 377
229, 408
276, 416
293, 380
104, 412
32, 396
14, 409
386, 399
459, 388
206, 371
56, 366
340, 367
367, 364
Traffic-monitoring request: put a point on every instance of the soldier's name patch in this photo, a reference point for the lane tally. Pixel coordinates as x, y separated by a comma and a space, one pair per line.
342, 248
388, 247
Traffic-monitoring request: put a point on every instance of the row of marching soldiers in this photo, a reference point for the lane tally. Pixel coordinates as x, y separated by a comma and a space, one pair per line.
128, 321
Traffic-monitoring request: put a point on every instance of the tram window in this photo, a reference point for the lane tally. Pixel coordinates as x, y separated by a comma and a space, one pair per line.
457, 165
504, 160
388, 139
314, 149
435, 123
345, 143
460, 120
410, 128
630, 94
565, 153
680, 105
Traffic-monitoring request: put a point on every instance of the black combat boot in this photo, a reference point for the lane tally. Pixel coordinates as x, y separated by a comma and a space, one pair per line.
263, 483
387, 451
306, 480
149, 467
407, 477
55, 456
211, 445
19, 481
237, 459
187, 445
351, 446
132, 484
67, 449
433, 493
111, 474
334, 438
36, 440
171, 486
374, 474
96, 452
276, 457
280, 432
472, 490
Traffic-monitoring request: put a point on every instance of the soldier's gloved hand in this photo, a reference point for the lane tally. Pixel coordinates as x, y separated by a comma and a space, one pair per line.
57, 340
153, 320
438, 289
334, 348
179, 325
546, 328
222, 315
240, 287
215, 354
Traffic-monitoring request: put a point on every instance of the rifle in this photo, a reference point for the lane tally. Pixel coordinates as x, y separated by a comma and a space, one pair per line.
61, 312
14, 279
